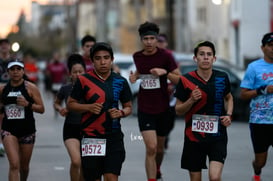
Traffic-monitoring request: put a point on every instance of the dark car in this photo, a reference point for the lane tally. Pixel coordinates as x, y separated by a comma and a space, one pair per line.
241, 107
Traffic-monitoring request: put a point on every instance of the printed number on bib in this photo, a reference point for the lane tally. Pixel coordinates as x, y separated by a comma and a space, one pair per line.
149, 81
205, 123
93, 147
14, 111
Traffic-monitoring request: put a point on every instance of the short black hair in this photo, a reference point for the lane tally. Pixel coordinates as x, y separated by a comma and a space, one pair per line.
204, 44
148, 27
73, 59
101, 46
87, 38
267, 38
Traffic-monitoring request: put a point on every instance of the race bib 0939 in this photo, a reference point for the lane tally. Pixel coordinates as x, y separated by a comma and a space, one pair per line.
205, 123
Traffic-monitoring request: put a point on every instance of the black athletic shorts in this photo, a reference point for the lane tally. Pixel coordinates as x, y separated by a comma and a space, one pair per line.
95, 166
195, 154
157, 122
261, 136
71, 131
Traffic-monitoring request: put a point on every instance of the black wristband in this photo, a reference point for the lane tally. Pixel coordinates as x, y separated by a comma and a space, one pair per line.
261, 90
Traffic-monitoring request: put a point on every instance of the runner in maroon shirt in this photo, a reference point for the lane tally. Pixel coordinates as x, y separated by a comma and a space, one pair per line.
154, 66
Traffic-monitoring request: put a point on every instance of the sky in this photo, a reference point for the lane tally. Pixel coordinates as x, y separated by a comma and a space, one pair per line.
10, 11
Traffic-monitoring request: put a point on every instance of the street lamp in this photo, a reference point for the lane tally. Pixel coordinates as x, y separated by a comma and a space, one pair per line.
15, 46
217, 2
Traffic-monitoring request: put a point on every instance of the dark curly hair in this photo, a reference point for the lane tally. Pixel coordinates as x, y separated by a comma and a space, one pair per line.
148, 27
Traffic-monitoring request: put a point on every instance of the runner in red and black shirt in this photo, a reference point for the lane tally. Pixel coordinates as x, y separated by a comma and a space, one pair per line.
205, 99
102, 139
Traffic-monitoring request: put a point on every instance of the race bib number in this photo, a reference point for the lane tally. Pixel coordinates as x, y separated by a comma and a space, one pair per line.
149, 81
205, 123
14, 111
93, 147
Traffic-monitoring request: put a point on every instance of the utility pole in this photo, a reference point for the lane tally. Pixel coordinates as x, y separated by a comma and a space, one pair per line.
70, 35
137, 13
170, 22
149, 9
178, 26
101, 27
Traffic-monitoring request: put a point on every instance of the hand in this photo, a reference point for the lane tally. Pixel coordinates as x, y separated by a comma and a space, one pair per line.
226, 120
269, 89
96, 108
63, 112
196, 94
115, 113
21, 101
132, 77
158, 71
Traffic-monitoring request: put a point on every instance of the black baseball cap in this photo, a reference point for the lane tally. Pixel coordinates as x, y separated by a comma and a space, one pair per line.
4, 40
101, 46
268, 37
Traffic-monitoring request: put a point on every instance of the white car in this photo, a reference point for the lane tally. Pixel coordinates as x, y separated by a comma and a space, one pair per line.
123, 61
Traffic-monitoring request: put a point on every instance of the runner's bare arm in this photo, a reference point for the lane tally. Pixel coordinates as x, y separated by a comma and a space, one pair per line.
174, 76
38, 105
74, 105
133, 76
58, 106
126, 108
229, 104
183, 107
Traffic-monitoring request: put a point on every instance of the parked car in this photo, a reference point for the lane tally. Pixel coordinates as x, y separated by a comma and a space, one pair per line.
123, 61
241, 107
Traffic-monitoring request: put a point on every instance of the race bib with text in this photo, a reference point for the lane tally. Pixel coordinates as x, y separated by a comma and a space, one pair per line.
14, 111
205, 123
93, 147
149, 81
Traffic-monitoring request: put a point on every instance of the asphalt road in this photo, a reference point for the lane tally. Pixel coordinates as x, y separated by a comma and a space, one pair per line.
50, 161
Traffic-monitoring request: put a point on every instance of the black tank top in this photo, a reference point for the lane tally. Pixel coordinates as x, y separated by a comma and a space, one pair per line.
18, 120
